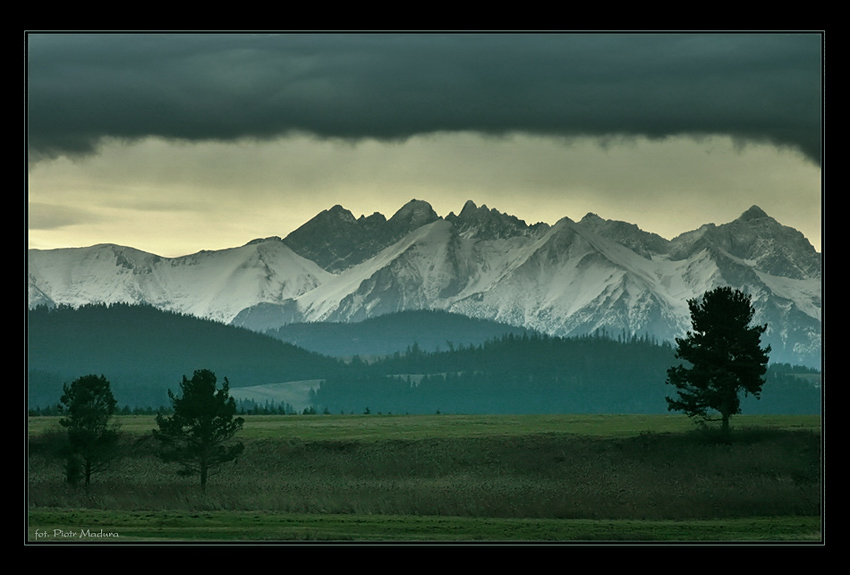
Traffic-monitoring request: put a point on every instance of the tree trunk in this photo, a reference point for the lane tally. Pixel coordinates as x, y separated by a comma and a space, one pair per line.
724, 428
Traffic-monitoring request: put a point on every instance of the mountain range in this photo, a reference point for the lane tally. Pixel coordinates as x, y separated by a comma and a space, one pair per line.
566, 279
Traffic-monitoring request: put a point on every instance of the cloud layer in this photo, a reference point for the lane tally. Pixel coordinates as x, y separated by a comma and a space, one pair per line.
85, 89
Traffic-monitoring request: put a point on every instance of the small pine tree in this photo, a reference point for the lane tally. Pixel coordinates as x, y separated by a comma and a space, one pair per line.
198, 434
88, 405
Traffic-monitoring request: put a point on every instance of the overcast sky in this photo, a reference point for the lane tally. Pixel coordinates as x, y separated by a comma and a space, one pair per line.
173, 143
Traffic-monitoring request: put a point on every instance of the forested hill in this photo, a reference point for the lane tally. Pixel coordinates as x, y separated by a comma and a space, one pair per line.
513, 374
540, 374
144, 351
430, 330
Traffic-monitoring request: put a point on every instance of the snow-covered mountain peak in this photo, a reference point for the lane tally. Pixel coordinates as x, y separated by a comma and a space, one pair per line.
264, 240
570, 278
629, 235
212, 284
757, 240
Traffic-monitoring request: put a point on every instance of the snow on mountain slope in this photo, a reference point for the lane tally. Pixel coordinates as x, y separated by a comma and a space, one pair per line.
231, 280
77, 276
570, 278
572, 281
413, 273
805, 294
210, 284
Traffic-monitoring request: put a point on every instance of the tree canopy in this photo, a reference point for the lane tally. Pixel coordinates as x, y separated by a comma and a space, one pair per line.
87, 404
725, 356
198, 434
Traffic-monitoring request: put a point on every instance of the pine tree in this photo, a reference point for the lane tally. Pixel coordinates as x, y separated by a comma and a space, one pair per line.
198, 435
725, 356
88, 405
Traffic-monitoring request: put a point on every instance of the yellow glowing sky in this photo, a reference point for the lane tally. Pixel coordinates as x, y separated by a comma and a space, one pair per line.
174, 199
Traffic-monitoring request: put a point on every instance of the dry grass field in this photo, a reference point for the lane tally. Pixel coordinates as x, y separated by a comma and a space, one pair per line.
552, 474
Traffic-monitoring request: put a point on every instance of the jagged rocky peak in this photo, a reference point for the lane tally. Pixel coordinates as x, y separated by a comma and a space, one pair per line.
593, 221
375, 218
754, 213
485, 223
469, 208
774, 248
630, 235
340, 213
324, 220
414, 214
336, 240
754, 236
755, 224
326, 238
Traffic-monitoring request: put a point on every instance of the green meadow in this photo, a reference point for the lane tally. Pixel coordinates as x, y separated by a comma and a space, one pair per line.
448, 478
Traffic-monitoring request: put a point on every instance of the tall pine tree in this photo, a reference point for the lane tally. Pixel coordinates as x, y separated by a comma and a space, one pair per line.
725, 356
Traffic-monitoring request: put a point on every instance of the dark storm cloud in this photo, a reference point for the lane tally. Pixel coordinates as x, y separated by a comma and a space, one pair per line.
759, 87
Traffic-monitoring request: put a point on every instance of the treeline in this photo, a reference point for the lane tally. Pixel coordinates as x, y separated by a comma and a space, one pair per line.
432, 330
55, 409
531, 373
532, 354
538, 374
140, 349
243, 407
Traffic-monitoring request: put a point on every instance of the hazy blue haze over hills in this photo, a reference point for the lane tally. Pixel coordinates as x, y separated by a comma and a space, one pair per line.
430, 331
566, 279
144, 352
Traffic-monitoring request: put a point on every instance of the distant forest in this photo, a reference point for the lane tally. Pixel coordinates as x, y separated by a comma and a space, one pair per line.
541, 374
430, 330
144, 352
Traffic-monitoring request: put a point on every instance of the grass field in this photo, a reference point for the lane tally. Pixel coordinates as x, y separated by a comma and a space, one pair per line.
448, 478
378, 427
96, 526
